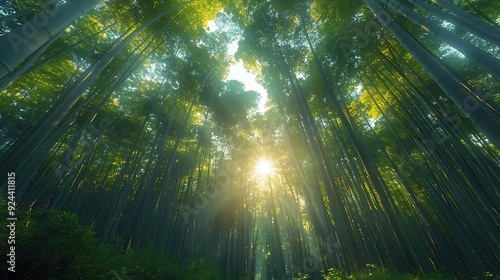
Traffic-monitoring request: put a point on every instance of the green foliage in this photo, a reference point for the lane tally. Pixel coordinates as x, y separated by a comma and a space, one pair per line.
47, 242
374, 272
52, 244
112, 262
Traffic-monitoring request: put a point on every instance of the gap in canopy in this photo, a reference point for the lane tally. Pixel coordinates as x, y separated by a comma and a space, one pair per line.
238, 71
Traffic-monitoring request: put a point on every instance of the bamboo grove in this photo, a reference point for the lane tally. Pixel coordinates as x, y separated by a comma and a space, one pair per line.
382, 127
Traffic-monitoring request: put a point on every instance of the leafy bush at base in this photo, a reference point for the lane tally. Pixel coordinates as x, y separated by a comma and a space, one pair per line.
373, 272
51, 244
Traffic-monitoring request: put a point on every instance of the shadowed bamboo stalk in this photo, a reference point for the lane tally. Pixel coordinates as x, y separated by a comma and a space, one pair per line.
462, 23
26, 67
21, 42
17, 157
26, 11
482, 58
494, 30
466, 101
21, 70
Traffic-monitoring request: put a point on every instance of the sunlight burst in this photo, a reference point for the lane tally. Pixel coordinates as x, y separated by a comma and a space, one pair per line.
264, 167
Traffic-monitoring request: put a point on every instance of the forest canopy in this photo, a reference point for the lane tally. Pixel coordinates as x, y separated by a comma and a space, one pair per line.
272, 138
